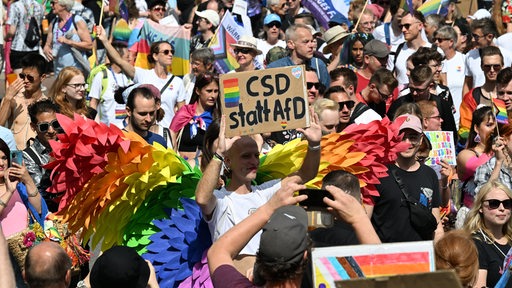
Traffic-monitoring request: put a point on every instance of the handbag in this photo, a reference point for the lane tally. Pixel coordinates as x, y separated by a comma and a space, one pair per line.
33, 35
421, 217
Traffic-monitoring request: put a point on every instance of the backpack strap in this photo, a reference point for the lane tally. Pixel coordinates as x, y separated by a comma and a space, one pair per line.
166, 85
387, 33
398, 49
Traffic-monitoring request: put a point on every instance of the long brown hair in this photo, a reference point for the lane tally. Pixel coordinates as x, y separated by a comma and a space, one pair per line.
59, 97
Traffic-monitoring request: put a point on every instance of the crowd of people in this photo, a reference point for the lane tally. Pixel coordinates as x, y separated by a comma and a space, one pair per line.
439, 72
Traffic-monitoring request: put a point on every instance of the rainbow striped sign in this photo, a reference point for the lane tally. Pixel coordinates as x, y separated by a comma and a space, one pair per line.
332, 264
231, 92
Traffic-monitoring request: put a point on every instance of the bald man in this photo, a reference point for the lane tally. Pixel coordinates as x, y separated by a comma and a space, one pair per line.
47, 265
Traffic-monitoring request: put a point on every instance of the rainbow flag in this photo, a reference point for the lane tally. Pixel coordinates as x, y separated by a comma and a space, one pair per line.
500, 109
151, 32
231, 92
407, 5
432, 7
227, 33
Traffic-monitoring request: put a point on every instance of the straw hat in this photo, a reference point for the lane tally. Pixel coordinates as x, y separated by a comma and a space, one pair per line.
333, 35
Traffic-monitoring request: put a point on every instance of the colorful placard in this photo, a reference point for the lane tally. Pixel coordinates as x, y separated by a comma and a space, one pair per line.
339, 263
443, 147
264, 100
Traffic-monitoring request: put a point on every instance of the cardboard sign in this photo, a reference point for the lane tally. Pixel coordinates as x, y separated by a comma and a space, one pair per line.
442, 147
331, 264
444, 278
264, 101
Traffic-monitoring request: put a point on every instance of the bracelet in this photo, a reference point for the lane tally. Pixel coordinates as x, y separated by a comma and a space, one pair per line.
2, 203
33, 194
218, 157
314, 148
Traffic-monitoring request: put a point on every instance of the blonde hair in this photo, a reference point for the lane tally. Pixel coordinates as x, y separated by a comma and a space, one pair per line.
59, 97
474, 220
456, 250
325, 104
427, 107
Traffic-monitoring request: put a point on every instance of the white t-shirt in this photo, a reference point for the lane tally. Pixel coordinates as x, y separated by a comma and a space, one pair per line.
232, 208
455, 72
264, 46
473, 63
174, 93
401, 63
505, 41
367, 117
380, 34
109, 111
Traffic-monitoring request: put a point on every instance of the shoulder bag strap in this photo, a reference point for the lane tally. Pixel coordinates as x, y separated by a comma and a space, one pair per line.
387, 33
166, 85
401, 184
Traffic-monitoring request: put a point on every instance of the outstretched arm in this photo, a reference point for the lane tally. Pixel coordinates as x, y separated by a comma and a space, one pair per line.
204, 190
6, 272
113, 55
224, 250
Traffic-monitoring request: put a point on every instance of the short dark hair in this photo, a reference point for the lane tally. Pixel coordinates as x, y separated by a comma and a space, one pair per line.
119, 46
139, 91
349, 76
55, 271
486, 24
504, 76
155, 49
35, 60
421, 74
424, 54
344, 180
5, 148
39, 107
416, 14
384, 77
334, 89
308, 17
490, 51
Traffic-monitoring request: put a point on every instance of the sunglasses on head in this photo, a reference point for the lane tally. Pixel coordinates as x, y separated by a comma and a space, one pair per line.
243, 50
43, 127
313, 84
495, 203
349, 104
167, 52
29, 77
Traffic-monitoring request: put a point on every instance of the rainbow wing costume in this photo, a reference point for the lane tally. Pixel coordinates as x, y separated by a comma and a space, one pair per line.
121, 190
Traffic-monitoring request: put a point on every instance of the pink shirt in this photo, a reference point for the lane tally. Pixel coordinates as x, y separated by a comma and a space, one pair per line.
14, 217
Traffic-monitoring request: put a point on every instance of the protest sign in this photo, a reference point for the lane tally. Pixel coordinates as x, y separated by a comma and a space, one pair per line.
264, 100
443, 278
442, 147
331, 264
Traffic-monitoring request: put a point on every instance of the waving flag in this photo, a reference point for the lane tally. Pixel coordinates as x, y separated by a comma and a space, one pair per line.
432, 7
500, 110
324, 10
179, 38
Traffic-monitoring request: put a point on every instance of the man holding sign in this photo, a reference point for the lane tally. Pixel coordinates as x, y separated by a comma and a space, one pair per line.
225, 207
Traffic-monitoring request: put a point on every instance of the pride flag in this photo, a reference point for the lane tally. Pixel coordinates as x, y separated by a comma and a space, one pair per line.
324, 10
500, 109
178, 36
407, 5
231, 92
432, 7
228, 33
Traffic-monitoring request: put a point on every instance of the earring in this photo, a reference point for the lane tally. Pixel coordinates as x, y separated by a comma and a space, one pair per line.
477, 138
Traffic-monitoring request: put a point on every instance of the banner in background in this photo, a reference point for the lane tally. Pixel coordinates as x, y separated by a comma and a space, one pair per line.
178, 36
323, 10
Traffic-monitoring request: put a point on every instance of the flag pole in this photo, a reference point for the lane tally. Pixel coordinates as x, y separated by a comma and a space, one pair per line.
359, 19
494, 108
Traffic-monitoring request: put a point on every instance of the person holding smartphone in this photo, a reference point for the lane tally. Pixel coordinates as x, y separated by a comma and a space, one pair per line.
18, 194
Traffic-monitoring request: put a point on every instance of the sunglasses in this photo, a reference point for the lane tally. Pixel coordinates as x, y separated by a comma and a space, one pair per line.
422, 159
418, 90
43, 127
274, 24
313, 84
440, 39
384, 96
284, 5
349, 104
476, 36
243, 50
159, 9
495, 203
167, 52
78, 85
495, 67
414, 138
407, 26
29, 77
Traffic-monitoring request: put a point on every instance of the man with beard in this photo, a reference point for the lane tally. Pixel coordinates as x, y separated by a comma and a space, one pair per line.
141, 109
43, 120
22, 92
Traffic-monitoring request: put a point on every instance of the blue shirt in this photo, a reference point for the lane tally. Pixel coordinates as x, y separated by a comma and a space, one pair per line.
315, 63
152, 137
6, 135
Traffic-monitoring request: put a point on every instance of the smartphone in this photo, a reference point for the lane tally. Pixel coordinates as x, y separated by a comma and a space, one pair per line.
17, 157
315, 198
